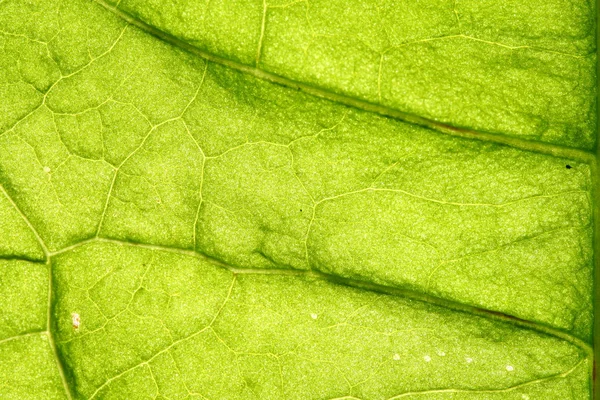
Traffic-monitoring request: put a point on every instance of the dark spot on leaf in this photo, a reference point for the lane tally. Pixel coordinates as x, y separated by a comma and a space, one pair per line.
569, 167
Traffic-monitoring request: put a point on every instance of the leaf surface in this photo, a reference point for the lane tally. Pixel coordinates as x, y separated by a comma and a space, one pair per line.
175, 228
490, 66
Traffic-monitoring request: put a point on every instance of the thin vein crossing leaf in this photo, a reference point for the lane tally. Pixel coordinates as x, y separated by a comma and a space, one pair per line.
496, 66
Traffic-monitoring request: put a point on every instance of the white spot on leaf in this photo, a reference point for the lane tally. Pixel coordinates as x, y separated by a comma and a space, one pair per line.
427, 358
47, 170
314, 316
469, 360
441, 353
396, 357
510, 368
76, 319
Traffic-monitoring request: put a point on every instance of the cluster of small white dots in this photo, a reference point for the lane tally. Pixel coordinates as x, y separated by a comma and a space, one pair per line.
469, 360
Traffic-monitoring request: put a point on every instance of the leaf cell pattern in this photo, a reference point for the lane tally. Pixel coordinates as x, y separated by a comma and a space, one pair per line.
216, 235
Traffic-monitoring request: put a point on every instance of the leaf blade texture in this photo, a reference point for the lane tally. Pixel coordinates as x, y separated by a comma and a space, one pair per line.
171, 227
507, 62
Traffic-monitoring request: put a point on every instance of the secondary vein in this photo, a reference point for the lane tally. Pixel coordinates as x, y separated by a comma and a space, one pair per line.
523, 144
357, 284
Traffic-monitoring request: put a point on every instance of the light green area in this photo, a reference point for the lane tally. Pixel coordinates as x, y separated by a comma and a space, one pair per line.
122, 295
155, 323
62, 193
28, 369
519, 68
18, 240
24, 294
157, 192
189, 214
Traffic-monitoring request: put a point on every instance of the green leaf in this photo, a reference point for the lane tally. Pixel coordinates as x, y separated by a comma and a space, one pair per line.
494, 66
296, 201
